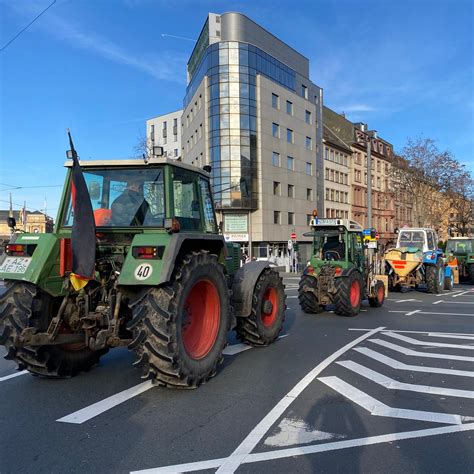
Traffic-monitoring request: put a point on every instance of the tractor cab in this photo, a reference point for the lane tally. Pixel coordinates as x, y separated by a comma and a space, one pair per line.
337, 243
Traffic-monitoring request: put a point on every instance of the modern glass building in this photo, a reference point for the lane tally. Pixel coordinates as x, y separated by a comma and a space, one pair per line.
252, 113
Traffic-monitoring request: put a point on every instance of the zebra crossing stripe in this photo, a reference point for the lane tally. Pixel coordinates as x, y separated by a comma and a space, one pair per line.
377, 408
411, 352
392, 384
395, 364
417, 342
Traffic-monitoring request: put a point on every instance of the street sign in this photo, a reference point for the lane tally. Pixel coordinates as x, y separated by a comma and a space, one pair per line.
366, 231
293, 236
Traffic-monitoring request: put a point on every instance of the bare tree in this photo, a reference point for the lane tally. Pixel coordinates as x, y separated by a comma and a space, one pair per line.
143, 148
461, 203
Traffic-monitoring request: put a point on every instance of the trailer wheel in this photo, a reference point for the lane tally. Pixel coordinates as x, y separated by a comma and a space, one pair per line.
180, 329
265, 322
23, 306
435, 277
307, 299
379, 295
348, 297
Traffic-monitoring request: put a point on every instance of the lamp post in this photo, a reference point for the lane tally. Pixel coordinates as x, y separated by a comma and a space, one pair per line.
370, 135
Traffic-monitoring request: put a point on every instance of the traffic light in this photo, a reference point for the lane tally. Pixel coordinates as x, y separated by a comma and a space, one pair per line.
296, 247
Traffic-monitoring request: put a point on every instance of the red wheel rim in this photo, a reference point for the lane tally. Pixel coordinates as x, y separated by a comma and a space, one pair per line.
355, 293
269, 318
380, 294
201, 319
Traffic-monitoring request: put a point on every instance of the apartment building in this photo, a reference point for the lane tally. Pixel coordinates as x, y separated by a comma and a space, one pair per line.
165, 131
253, 114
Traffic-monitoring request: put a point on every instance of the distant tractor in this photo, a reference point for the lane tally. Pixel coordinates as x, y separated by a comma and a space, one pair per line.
460, 251
165, 283
416, 260
341, 270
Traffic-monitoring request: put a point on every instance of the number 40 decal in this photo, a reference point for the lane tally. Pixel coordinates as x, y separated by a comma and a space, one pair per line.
143, 271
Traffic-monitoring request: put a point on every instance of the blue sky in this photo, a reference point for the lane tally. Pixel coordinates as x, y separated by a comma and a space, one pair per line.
102, 67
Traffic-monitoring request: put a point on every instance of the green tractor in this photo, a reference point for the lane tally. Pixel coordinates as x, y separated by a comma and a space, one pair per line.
164, 283
341, 270
461, 251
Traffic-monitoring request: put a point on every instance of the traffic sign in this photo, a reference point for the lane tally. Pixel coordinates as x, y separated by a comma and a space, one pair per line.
366, 231
293, 236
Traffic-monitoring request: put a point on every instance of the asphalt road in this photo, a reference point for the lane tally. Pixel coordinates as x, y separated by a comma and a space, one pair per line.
390, 390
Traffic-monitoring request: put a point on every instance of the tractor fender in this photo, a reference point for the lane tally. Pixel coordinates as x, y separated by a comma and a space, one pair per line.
244, 282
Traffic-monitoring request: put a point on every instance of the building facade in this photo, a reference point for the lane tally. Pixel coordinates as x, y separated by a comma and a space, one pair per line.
165, 131
253, 114
36, 222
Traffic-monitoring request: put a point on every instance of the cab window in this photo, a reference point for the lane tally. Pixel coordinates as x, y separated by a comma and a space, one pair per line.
186, 205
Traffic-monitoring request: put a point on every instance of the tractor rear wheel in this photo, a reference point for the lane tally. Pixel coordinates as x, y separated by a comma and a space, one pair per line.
470, 272
435, 277
307, 299
180, 329
267, 316
348, 297
23, 306
379, 295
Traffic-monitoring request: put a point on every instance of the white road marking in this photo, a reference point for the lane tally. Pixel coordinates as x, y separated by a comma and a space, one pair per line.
253, 438
406, 301
236, 349
11, 376
377, 408
454, 302
396, 364
437, 334
416, 342
450, 336
449, 293
435, 313
411, 313
314, 449
392, 384
438, 302
289, 297
80, 416
468, 292
411, 352
297, 431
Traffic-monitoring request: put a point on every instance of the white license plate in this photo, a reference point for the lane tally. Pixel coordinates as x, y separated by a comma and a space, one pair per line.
15, 264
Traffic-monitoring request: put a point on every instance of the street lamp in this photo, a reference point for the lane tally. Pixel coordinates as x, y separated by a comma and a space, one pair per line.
370, 134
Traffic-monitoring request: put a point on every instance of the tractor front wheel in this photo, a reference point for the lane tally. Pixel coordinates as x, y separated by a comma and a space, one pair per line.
348, 297
308, 301
23, 306
267, 316
435, 277
379, 295
180, 329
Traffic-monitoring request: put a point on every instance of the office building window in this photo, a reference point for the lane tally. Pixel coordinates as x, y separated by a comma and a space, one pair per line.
291, 191
326, 174
289, 107
152, 133
309, 194
326, 155
291, 218
308, 118
275, 101
276, 130
309, 143
289, 135
276, 217
304, 91
276, 159
309, 168
290, 163
327, 194
276, 188
175, 152
165, 141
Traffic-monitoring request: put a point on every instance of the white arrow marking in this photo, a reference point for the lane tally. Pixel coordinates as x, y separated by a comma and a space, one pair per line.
392, 384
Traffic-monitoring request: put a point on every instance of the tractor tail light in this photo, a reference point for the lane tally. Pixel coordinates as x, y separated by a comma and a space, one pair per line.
310, 269
338, 271
16, 250
147, 253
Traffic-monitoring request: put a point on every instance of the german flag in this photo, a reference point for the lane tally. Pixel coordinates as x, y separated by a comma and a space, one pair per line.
83, 227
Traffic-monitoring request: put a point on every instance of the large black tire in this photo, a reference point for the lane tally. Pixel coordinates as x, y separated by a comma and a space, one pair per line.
470, 272
22, 306
379, 295
435, 277
266, 319
449, 282
308, 301
180, 329
348, 297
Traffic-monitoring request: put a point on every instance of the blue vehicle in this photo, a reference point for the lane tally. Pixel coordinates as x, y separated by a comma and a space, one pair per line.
418, 260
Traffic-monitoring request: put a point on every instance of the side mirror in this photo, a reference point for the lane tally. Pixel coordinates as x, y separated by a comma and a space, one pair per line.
94, 190
11, 221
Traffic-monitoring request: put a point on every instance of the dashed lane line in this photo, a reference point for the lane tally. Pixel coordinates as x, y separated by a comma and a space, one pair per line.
312, 449
396, 364
434, 313
377, 408
411, 352
392, 384
453, 302
468, 292
11, 376
417, 342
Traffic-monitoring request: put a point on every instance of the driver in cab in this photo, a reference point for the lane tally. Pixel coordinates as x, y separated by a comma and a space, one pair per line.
130, 208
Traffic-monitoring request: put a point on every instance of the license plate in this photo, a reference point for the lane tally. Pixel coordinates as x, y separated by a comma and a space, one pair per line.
15, 264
